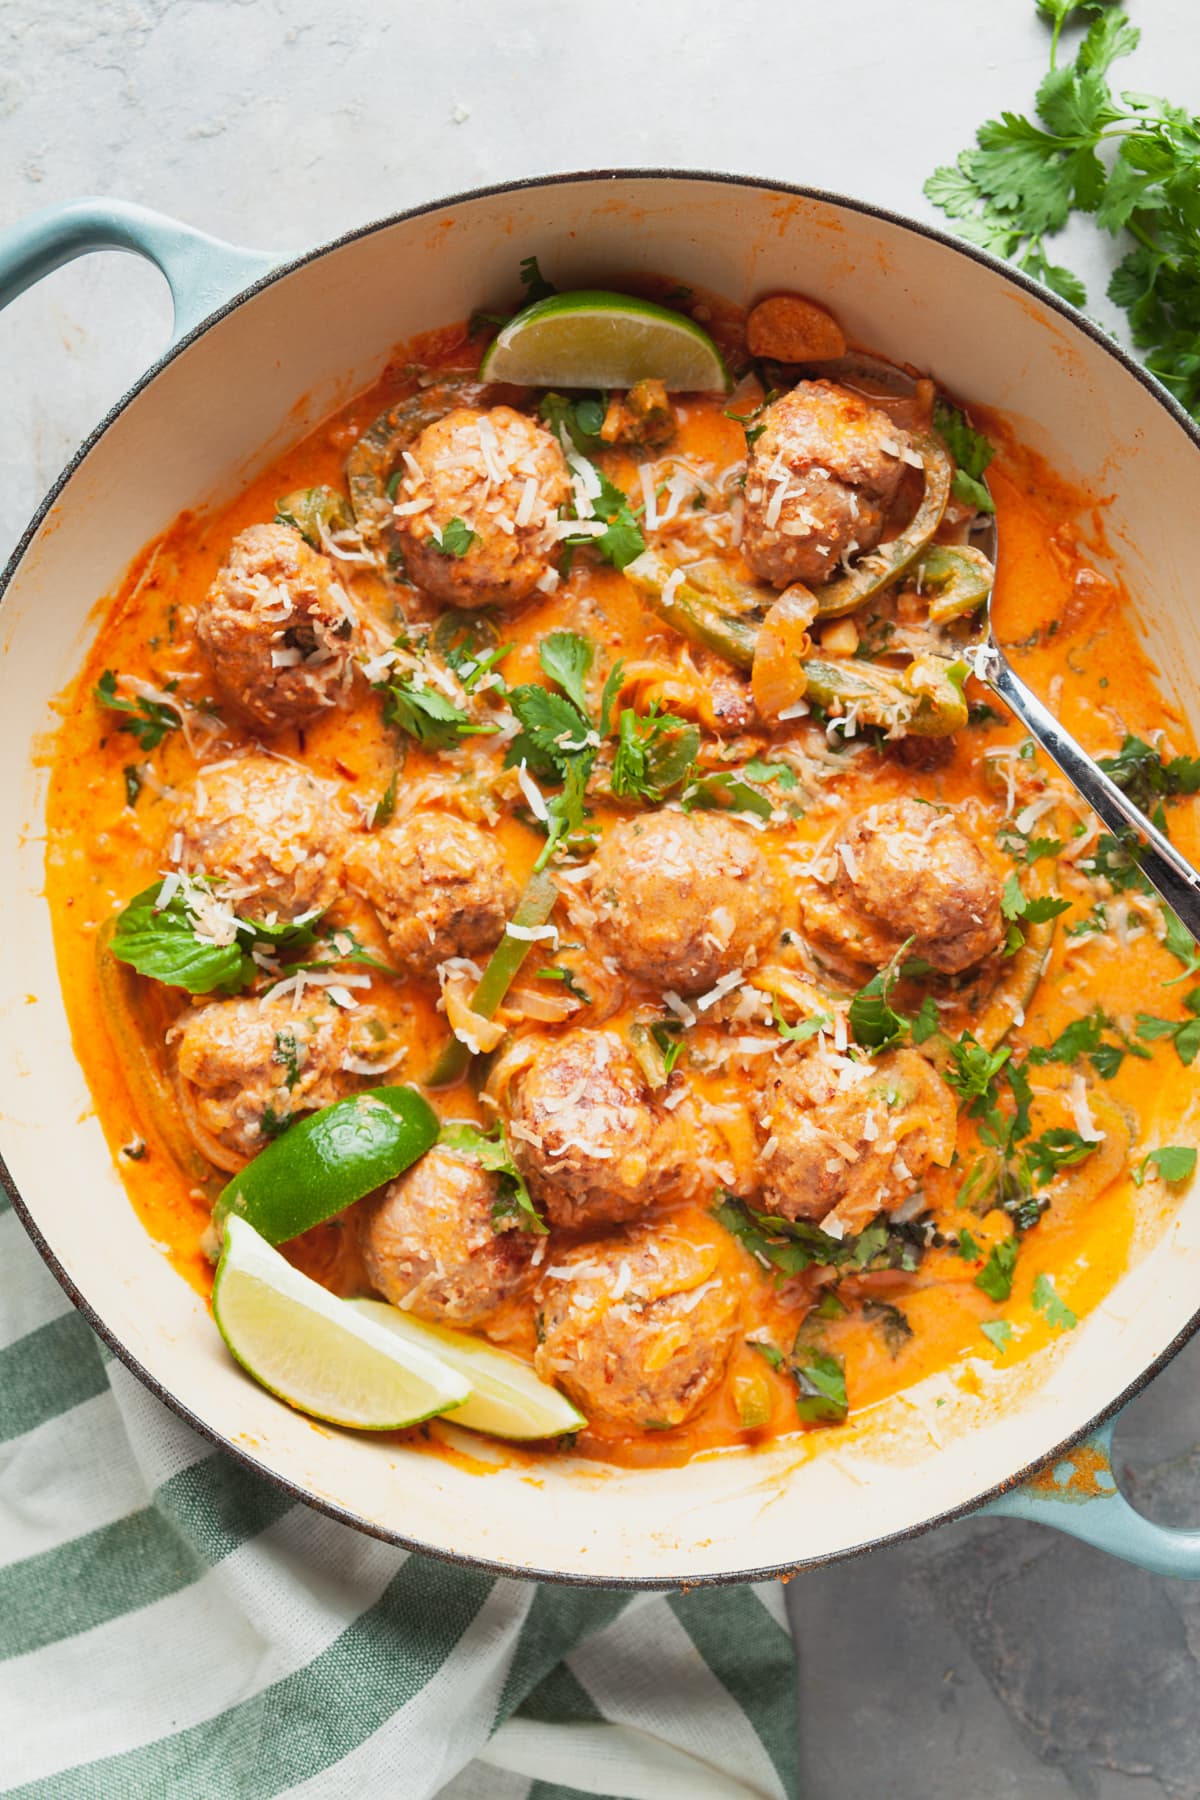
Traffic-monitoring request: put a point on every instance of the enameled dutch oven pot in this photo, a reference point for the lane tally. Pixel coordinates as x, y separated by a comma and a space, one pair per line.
264, 347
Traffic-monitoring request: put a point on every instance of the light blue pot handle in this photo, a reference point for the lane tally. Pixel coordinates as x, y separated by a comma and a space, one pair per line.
1079, 1495
202, 272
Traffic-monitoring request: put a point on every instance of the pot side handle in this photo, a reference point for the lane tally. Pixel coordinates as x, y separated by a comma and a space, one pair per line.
202, 272
1079, 1495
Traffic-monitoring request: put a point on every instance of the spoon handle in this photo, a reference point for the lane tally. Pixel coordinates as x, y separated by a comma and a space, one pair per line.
1160, 862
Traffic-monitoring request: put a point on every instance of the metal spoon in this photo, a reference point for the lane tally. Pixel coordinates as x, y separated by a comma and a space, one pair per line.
1159, 861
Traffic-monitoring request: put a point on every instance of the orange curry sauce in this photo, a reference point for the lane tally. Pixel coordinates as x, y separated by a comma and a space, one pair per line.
1077, 645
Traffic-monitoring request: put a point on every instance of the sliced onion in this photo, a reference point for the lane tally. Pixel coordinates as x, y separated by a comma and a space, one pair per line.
529, 1003
777, 676
471, 1028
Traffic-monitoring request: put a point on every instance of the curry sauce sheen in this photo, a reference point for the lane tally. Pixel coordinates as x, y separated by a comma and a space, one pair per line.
760, 1214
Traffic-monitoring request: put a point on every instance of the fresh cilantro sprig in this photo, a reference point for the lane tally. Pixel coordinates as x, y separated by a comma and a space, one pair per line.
1173, 1162
557, 740
1019, 910
623, 540
1183, 1033
580, 419
429, 716
1095, 1036
1026, 177
490, 1150
655, 752
147, 720
789, 1246
1140, 771
1057, 1149
875, 1022
567, 659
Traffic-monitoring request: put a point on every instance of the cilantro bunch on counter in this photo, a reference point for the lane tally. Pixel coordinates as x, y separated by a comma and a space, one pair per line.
1131, 161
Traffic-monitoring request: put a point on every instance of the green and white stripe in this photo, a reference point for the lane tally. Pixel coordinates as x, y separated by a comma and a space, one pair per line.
171, 1625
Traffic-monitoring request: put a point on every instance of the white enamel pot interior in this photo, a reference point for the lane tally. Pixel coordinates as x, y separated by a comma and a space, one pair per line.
221, 405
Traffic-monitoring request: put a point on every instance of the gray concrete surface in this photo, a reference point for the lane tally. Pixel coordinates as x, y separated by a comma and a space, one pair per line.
988, 1661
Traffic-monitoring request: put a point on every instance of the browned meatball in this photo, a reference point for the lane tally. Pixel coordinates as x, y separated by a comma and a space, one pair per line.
682, 899
819, 481
264, 833
439, 885
906, 870
585, 1133
848, 1152
278, 630
246, 1068
503, 478
429, 1244
637, 1329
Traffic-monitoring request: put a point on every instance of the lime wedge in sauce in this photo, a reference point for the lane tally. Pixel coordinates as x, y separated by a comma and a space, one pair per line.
324, 1356
595, 339
507, 1398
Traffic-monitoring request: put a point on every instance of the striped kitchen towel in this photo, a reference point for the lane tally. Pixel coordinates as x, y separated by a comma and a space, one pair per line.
172, 1626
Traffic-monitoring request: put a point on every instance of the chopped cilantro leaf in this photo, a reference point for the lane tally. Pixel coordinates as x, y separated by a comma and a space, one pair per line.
579, 419
1055, 1310
1139, 771
613, 682
1174, 1162
802, 1030
873, 1020
997, 1332
567, 658
287, 1054
534, 282
1055, 1150
972, 453
557, 743
892, 1322
456, 538
969, 1247
385, 806
996, 1276
427, 715
1086, 1037
758, 770
821, 1380
490, 1150
1184, 1033
148, 720
654, 754
971, 1071
1182, 945
623, 541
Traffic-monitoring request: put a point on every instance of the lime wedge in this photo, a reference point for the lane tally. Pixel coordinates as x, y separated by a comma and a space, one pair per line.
593, 339
323, 1162
321, 1354
507, 1399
